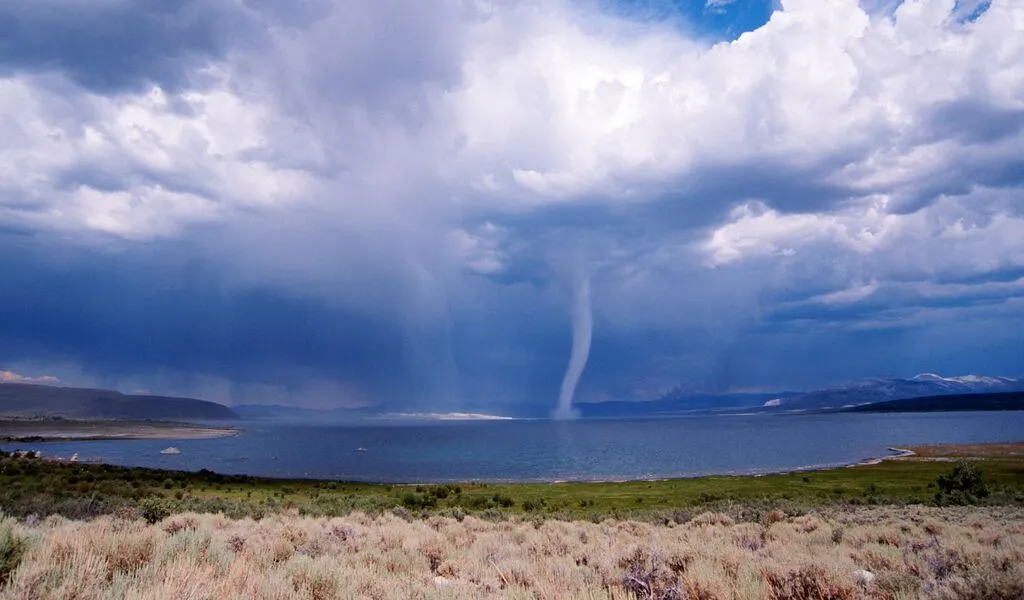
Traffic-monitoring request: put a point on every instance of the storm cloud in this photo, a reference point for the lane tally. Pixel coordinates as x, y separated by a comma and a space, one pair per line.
365, 203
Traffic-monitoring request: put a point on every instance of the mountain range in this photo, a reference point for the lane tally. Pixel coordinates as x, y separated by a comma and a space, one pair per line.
678, 402
295, 413
26, 400
870, 391
35, 400
682, 401
947, 403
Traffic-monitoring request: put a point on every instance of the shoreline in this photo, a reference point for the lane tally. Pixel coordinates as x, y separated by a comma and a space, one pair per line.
28, 431
899, 453
38, 485
896, 454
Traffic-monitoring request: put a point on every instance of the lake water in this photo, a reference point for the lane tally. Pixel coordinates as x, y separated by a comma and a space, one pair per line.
552, 451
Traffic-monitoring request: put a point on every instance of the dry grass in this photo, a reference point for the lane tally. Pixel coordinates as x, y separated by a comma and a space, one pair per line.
912, 553
1004, 450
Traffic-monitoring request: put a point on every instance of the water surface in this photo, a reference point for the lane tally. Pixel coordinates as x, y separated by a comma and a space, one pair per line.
552, 451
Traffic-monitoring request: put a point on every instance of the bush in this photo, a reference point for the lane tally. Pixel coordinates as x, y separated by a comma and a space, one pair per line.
154, 511
808, 583
418, 501
961, 486
837, 535
12, 549
503, 501
647, 578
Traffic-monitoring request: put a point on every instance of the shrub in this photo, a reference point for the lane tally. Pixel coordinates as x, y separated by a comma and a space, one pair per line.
503, 501
680, 517
181, 523
962, 485
647, 578
455, 512
314, 579
418, 501
12, 549
154, 510
710, 518
492, 514
837, 535
807, 583
896, 584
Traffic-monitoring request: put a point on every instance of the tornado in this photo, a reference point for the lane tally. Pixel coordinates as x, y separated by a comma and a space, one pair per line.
582, 328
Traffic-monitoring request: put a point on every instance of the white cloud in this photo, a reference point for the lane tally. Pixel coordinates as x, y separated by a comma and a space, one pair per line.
521, 106
953, 237
12, 377
134, 165
847, 296
717, 6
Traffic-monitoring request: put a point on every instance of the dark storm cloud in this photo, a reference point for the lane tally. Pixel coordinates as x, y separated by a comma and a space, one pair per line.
890, 302
151, 308
972, 121
676, 212
111, 46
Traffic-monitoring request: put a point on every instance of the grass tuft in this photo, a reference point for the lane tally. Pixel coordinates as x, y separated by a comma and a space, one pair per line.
13, 546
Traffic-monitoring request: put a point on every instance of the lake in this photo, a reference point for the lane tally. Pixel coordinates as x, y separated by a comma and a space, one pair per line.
592, 450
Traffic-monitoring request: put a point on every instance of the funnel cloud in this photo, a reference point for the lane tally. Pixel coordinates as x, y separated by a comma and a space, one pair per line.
582, 329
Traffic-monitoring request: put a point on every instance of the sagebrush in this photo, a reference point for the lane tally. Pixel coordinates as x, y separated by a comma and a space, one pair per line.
914, 552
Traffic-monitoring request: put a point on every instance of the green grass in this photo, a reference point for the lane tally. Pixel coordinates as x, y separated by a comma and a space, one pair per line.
34, 486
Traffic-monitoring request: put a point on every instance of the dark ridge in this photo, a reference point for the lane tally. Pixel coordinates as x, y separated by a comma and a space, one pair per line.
958, 402
32, 401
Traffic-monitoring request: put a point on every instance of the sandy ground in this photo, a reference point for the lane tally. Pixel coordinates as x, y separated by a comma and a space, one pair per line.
66, 430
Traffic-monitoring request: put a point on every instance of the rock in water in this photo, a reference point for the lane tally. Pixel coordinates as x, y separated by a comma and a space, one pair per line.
171, 450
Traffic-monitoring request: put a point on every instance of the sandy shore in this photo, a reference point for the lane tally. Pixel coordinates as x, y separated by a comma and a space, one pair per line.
12, 431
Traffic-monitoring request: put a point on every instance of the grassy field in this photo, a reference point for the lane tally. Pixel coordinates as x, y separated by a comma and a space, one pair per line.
34, 486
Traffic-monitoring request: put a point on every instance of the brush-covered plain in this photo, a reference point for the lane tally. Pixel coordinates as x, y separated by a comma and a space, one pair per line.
896, 529
833, 554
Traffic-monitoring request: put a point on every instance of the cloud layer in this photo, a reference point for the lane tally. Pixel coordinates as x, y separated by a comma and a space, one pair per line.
349, 203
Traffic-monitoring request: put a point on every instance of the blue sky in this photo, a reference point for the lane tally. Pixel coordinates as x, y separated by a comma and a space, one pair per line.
714, 20
327, 203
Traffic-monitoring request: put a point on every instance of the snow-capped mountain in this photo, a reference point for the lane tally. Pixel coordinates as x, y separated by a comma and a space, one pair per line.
978, 382
882, 389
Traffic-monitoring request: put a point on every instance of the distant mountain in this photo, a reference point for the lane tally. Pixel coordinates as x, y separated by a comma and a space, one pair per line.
32, 400
954, 402
677, 402
292, 413
885, 389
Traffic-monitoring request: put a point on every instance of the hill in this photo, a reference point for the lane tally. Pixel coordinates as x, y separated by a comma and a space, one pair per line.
958, 402
31, 400
279, 412
676, 403
878, 390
